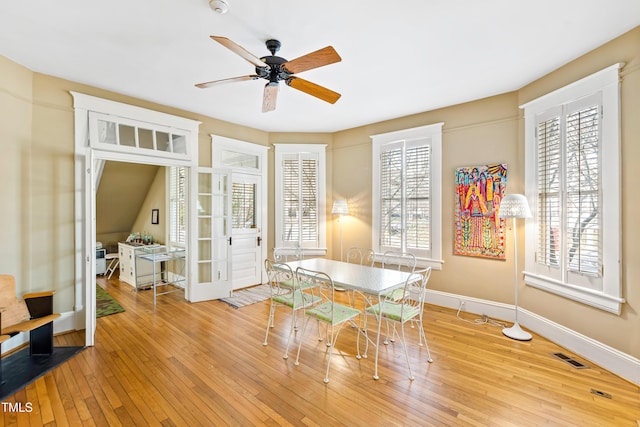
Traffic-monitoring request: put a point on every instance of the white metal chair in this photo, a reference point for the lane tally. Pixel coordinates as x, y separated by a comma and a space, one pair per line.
408, 309
282, 255
399, 261
362, 256
290, 297
328, 311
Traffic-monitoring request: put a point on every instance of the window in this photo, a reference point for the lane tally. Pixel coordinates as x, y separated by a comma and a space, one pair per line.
572, 139
112, 133
407, 193
177, 205
243, 205
300, 204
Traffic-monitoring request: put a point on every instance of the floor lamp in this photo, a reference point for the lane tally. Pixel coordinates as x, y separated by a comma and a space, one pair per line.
340, 207
515, 206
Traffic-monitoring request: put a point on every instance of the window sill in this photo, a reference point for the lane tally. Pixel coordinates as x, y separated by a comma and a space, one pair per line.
590, 297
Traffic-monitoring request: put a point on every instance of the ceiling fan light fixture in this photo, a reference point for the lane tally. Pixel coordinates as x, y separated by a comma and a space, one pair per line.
219, 6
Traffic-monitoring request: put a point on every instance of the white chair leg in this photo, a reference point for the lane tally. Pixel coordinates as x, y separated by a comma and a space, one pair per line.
293, 327
305, 322
270, 323
406, 353
332, 341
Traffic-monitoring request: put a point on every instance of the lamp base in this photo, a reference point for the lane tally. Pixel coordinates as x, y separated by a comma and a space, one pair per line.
515, 332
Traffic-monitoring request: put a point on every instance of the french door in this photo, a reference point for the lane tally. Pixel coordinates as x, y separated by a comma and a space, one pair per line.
214, 239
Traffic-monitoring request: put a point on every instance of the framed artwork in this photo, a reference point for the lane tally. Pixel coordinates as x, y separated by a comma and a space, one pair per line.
155, 216
478, 230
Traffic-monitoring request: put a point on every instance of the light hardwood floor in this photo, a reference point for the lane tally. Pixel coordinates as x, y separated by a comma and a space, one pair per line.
182, 364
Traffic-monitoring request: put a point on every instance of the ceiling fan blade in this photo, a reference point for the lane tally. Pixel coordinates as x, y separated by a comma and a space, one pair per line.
229, 80
313, 89
319, 58
269, 97
239, 50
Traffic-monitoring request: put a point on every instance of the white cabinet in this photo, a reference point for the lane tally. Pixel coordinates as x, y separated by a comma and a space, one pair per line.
132, 271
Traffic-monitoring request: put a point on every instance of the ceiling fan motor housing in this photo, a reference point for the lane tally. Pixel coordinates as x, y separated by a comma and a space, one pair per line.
274, 72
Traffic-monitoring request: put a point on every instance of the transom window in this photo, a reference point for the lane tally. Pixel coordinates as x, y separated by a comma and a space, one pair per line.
572, 138
126, 135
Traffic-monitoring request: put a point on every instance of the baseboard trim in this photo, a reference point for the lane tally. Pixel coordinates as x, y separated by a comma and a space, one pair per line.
621, 364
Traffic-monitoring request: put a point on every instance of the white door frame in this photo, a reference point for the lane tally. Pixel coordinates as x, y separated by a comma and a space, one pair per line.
85, 157
219, 144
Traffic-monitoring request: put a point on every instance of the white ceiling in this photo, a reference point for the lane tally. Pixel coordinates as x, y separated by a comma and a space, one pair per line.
398, 57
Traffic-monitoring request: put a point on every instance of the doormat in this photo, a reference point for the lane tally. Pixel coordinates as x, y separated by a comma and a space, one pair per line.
105, 304
248, 296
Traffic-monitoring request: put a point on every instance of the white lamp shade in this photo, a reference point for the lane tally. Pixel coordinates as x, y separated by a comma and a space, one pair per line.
340, 207
514, 206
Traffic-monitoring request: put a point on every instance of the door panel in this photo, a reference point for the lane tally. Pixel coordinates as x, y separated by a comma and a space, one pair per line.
246, 230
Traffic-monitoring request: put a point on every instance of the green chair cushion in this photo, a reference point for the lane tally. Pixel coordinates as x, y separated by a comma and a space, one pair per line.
393, 311
341, 313
297, 299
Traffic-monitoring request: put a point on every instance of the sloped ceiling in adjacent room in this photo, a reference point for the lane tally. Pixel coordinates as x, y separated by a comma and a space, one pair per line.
121, 192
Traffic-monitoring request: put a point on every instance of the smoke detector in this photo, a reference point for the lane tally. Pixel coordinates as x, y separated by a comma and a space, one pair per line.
219, 6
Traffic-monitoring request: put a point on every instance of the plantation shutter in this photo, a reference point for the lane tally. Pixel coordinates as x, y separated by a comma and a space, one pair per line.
418, 197
177, 204
300, 199
549, 185
568, 179
391, 195
405, 196
583, 184
309, 195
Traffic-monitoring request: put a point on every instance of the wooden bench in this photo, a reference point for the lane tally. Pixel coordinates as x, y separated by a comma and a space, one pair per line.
33, 313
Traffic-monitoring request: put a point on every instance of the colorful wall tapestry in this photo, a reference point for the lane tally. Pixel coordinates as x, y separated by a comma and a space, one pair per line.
478, 230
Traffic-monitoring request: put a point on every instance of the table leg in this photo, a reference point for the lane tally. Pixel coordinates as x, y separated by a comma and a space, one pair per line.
154, 282
379, 316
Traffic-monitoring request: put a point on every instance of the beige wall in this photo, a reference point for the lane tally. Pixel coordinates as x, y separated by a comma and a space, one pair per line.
156, 199
15, 171
476, 133
37, 224
620, 332
491, 131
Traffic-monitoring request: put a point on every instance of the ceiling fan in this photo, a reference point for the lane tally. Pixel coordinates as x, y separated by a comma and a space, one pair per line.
275, 69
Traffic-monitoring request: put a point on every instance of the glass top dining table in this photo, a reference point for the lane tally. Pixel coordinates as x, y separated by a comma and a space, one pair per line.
373, 281
370, 280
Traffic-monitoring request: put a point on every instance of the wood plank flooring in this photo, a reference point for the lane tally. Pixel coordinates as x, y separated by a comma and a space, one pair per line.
182, 364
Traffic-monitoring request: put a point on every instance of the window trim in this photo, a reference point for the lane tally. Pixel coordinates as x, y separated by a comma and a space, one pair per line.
433, 133
605, 82
320, 151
